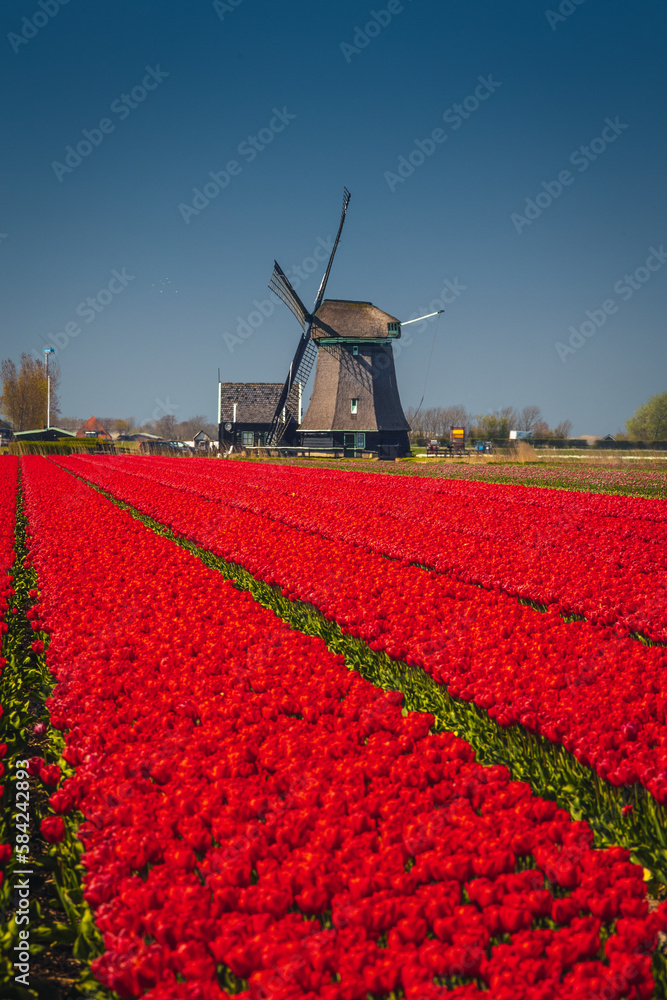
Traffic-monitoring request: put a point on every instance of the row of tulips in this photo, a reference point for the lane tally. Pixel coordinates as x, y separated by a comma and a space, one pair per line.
9, 472
259, 820
561, 680
602, 557
624, 477
627, 816
24, 859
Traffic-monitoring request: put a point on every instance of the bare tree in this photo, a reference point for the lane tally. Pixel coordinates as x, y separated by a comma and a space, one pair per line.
563, 429
542, 430
435, 421
166, 427
510, 416
528, 418
188, 428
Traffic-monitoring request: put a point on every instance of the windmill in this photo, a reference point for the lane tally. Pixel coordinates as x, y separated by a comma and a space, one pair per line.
355, 404
288, 407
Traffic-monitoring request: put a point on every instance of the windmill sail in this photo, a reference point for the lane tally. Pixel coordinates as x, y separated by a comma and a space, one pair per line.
323, 283
306, 352
280, 286
288, 403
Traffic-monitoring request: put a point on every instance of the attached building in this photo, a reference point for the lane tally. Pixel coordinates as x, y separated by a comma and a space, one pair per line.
245, 414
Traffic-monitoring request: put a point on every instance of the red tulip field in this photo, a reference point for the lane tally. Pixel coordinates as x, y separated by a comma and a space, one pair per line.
278, 732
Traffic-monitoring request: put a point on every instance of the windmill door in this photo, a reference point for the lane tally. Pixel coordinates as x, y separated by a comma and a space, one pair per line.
353, 444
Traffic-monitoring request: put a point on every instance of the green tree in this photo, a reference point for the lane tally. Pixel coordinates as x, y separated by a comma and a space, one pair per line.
490, 427
24, 392
649, 422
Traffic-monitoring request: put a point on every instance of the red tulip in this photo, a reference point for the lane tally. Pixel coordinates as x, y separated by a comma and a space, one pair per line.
50, 775
35, 765
221, 764
53, 829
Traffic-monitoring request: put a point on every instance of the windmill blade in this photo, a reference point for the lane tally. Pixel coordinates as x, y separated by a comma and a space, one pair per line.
280, 285
295, 371
299, 378
323, 283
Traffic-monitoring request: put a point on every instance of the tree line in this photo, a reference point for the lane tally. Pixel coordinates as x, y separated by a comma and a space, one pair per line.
435, 421
24, 402
167, 427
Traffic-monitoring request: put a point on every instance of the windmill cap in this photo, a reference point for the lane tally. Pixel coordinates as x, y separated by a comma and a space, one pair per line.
351, 320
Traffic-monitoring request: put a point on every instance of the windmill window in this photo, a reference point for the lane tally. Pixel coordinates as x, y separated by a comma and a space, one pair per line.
361, 441
353, 405
394, 329
247, 439
355, 350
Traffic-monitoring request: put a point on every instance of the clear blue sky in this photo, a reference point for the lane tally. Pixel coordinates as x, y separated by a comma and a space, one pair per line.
349, 105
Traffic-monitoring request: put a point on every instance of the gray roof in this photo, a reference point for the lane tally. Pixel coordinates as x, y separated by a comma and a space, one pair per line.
255, 401
44, 434
352, 320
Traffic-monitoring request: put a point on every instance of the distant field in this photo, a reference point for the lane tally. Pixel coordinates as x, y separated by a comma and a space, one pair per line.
627, 476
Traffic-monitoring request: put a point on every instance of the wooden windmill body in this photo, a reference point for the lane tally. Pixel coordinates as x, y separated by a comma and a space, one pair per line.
355, 404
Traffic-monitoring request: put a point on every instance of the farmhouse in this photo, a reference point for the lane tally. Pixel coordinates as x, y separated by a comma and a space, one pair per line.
93, 429
245, 412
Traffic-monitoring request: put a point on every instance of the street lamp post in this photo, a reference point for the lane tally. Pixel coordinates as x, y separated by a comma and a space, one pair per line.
47, 351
